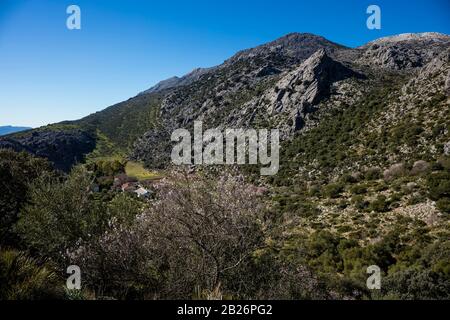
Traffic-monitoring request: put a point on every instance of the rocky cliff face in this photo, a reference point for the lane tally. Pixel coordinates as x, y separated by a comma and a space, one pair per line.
298, 92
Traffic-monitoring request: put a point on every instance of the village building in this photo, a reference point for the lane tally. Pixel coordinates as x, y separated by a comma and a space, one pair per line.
142, 192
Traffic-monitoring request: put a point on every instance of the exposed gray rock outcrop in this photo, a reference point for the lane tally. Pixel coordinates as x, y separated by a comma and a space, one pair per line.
302, 89
405, 51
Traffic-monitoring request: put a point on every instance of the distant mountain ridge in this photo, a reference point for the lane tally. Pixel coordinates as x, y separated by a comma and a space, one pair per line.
4, 130
434, 36
173, 82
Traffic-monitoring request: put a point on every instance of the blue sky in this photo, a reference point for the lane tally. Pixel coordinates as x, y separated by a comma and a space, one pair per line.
49, 73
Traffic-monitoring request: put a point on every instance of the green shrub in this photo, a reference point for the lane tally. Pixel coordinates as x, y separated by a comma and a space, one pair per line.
358, 189
333, 190
439, 185
60, 214
344, 228
416, 284
342, 204
373, 173
415, 199
380, 204
107, 167
314, 191
347, 178
17, 171
443, 204
359, 202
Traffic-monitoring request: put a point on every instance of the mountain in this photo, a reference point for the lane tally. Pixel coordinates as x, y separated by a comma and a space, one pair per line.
290, 84
4, 130
296, 83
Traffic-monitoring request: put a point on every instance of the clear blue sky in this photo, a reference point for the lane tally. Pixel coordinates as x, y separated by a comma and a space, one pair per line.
49, 73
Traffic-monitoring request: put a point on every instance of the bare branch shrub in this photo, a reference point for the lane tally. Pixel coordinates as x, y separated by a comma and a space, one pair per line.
199, 233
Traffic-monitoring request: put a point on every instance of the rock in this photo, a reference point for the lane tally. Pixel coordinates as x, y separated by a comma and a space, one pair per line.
267, 71
447, 149
426, 212
420, 167
411, 185
299, 91
447, 84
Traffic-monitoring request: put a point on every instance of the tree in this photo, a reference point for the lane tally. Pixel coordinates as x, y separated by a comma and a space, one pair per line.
416, 284
60, 214
17, 171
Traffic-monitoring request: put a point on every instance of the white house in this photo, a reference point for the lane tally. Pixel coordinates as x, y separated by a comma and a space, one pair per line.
142, 193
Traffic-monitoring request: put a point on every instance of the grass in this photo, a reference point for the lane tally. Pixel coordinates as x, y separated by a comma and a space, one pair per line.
137, 170
105, 150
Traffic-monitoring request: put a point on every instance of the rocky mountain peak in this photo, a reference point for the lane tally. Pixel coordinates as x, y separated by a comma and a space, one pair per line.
297, 46
298, 93
295, 38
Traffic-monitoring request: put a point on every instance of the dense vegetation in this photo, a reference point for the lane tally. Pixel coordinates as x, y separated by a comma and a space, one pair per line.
120, 125
206, 237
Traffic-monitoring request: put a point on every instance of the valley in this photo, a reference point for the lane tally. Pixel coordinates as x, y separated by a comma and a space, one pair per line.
363, 179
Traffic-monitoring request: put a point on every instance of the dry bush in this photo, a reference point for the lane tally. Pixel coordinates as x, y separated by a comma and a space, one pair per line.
419, 167
198, 233
394, 171
206, 229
